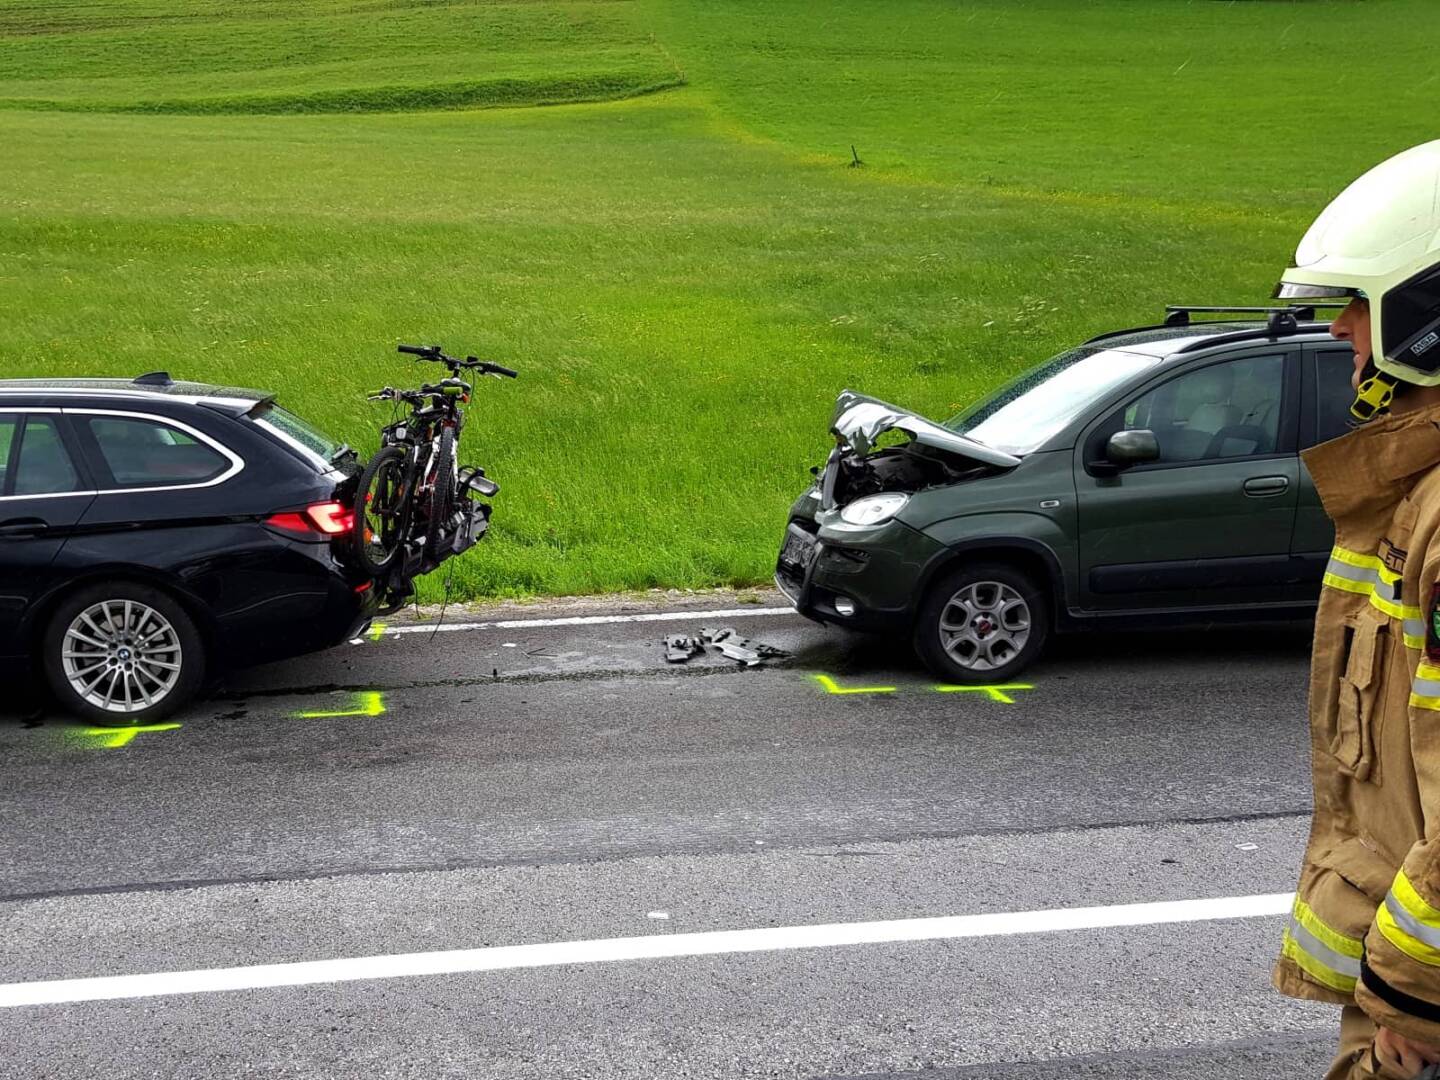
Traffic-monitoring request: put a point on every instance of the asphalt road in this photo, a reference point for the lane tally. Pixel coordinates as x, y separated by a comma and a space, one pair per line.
519, 785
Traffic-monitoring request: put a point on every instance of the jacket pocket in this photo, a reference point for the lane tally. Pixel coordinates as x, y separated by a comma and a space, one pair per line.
1358, 699
1362, 866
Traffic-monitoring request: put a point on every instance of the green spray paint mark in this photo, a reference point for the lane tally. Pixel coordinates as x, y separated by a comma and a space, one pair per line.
377, 631
113, 737
368, 703
994, 693
832, 687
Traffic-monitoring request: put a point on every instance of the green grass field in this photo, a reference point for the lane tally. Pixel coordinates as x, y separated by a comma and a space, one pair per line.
687, 277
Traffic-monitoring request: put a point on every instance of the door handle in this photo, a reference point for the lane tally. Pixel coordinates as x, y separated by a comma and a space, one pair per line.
18, 527
1262, 486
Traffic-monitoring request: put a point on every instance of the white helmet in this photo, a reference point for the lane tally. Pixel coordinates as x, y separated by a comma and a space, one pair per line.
1380, 239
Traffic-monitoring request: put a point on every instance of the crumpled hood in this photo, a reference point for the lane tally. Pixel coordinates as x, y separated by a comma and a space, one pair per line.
860, 420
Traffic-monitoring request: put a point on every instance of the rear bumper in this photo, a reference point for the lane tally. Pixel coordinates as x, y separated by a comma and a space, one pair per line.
321, 605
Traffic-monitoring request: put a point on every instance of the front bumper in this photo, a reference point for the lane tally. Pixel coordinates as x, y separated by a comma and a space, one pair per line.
866, 579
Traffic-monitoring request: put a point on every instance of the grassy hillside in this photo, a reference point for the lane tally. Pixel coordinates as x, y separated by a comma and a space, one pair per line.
1258, 103
686, 279
264, 56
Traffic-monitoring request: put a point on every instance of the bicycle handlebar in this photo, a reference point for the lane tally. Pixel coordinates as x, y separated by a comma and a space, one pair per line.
435, 353
389, 393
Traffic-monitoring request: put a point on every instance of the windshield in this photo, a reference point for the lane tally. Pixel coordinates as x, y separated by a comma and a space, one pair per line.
1019, 417
297, 430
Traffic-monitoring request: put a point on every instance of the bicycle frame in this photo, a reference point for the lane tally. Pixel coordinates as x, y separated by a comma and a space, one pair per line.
428, 512
422, 461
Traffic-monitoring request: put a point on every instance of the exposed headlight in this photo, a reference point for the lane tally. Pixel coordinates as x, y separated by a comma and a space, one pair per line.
874, 509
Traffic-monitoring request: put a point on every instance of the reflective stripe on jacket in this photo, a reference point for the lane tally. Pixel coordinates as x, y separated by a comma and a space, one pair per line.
1365, 927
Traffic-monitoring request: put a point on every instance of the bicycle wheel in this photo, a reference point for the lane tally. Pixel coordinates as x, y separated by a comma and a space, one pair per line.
380, 511
442, 495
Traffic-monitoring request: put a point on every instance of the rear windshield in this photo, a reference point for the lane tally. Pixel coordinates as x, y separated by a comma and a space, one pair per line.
290, 426
1023, 415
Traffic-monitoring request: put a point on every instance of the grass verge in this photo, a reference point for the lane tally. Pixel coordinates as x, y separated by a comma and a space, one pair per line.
685, 280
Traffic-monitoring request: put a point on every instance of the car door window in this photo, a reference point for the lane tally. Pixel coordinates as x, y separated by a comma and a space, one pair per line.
148, 453
40, 464
1333, 393
1227, 410
9, 428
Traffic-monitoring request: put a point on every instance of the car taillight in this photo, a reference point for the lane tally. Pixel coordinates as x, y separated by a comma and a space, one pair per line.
331, 518
327, 518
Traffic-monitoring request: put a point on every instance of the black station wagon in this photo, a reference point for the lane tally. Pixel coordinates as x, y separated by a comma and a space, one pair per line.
1149, 477
151, 531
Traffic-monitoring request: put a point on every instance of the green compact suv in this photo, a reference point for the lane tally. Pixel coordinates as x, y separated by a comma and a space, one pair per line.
1150, 477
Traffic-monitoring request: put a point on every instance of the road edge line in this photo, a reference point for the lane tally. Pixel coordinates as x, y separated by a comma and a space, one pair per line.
649, 947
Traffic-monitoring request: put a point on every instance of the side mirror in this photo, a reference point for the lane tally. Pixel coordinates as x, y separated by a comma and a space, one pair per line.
1123, 449
1132, 447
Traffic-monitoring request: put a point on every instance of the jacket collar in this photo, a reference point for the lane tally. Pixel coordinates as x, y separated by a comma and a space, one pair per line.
1373, 467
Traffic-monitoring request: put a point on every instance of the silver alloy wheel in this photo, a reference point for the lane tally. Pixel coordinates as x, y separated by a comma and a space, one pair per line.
984, 625
121, 656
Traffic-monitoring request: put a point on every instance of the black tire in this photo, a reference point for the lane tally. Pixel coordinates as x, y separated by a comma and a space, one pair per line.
442, 498
982, 624
380, 512
151, 648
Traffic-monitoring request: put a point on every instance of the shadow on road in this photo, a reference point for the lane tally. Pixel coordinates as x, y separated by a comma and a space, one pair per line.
853, 653
23, 705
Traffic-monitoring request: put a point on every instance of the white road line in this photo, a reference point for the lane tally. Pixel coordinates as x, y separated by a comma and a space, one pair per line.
510, 957
595, 620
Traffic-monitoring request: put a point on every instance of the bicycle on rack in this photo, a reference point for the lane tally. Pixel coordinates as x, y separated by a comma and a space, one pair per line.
413, 503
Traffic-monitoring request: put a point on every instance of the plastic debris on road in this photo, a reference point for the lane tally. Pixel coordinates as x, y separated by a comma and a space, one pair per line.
680, 648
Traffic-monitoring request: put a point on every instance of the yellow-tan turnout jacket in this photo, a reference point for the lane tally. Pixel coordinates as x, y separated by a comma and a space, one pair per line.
1366, 923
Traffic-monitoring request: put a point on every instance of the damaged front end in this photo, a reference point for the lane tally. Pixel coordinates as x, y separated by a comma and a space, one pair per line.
848, 556
935, 456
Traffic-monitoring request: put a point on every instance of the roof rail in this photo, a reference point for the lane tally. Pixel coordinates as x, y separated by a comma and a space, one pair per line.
1179, 315
1279, 321
1123, 332
1266, 333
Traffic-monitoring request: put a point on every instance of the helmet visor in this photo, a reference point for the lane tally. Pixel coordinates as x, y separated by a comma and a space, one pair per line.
1410, 323
1289, 290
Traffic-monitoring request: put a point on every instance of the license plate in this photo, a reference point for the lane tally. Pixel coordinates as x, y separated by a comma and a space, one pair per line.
798, 549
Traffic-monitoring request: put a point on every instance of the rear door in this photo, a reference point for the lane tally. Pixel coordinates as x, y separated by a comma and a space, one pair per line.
1325, 415
1209, 524
160, 484
181, 497
43, 494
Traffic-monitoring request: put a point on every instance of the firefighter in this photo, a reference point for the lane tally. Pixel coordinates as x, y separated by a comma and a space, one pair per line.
1364, 932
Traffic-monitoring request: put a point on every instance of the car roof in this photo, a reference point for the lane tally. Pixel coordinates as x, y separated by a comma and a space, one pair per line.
1173, 342
231, 398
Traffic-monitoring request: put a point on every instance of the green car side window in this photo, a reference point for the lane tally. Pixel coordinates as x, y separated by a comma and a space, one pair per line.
9, 425
1225, 410
1333, 393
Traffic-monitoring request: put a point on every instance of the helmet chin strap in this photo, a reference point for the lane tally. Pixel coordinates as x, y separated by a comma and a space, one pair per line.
1376, 391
